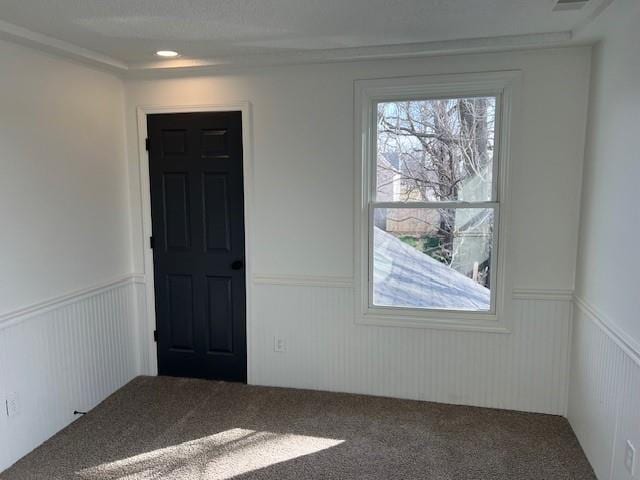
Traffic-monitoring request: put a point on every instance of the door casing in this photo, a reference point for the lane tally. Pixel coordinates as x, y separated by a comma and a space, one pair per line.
148, 322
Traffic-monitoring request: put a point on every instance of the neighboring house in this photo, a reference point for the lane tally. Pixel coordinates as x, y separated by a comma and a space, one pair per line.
388, 182
391, 188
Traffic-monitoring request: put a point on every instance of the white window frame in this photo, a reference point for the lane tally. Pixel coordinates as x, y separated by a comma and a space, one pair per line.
368, 93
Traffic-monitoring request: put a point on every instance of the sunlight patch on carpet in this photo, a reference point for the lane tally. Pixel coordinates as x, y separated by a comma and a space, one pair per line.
217, 457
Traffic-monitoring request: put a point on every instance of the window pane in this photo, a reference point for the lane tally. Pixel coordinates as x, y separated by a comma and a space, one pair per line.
435, 150
433, 258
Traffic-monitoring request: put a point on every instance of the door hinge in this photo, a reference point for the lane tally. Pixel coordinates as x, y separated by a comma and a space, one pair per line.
155, 335
151, 243
147, 144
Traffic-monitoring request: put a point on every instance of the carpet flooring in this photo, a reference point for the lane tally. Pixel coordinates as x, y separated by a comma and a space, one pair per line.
173, 428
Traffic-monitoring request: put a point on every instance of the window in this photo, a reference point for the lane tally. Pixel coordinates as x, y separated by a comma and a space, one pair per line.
432, 162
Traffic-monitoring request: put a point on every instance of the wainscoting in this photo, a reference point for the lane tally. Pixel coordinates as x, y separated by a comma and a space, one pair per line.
526, 369
62, 355
604, 394
72, 352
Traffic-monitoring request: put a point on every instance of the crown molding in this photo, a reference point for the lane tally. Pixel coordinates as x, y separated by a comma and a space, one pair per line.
406, 50
23, 36
49, 44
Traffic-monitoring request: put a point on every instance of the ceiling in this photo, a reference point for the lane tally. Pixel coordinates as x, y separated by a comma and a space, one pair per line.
128, 32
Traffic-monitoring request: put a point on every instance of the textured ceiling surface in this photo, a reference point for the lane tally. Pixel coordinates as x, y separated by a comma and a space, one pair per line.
131, 30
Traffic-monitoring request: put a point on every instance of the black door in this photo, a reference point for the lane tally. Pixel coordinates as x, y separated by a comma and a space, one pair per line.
197, 208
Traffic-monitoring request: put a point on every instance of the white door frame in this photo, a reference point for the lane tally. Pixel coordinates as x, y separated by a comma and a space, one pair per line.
148, 345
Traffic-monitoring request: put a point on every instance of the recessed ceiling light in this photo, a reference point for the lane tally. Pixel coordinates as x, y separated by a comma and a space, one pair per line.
166, 53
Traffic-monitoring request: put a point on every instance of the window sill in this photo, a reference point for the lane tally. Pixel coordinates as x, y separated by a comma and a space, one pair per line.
460, 321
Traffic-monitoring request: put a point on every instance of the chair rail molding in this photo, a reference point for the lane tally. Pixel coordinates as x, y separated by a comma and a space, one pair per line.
542, 294
339, 281
14, 317
628, 345
304, 280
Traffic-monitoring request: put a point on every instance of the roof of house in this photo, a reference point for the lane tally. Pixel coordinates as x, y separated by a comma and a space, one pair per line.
404, 276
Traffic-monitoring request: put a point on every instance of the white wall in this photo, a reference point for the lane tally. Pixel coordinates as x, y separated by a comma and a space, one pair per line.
65, 227
608, 260
605, 373
63, 187
303, 141
64, 193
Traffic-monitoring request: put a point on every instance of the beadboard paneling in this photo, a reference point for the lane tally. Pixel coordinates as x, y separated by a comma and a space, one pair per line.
67, 354
604, 394
326, 350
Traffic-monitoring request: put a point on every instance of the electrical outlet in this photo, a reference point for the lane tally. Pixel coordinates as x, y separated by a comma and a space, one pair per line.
630, 458
279, 345
12, 404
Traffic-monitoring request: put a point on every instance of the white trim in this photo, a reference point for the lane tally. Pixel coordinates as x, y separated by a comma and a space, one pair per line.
502, 84
53, 45
15, 317
457, 321
628, 345
480, 205
139, 278
145, 196
335, 281
304, 281
545, 294
377, 52
48, 44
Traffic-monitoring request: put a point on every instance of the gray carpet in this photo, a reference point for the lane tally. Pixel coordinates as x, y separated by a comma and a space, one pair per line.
193, 429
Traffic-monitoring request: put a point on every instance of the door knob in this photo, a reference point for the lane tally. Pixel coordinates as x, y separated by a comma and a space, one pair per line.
237, 265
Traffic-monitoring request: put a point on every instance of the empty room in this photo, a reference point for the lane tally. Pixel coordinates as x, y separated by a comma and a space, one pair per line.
305, 239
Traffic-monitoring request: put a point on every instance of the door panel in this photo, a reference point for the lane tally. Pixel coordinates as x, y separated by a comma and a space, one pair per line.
174, 142
220, 314
216, 211
197, 207
180, 303
177, 228
215, 143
